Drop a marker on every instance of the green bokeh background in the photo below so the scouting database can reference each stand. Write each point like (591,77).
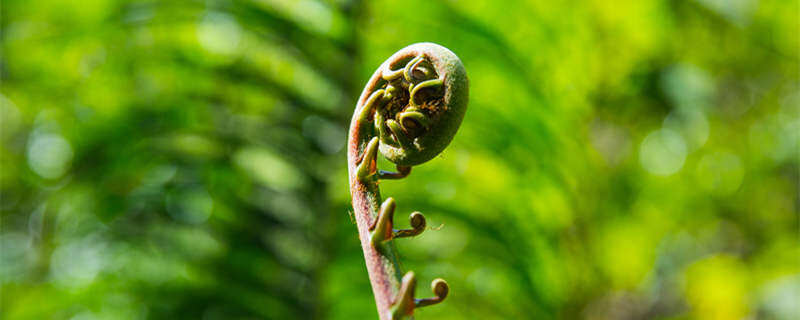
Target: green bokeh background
(185,159)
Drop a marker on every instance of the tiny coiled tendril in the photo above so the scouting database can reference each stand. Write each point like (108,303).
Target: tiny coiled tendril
(410,116)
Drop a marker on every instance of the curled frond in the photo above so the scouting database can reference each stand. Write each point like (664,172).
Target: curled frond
(425,93)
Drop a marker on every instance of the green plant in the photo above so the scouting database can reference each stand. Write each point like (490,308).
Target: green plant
(410,110)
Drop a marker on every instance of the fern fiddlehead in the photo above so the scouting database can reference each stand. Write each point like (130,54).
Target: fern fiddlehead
(409,111)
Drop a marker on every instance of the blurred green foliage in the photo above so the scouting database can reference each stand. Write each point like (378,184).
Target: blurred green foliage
(619,159)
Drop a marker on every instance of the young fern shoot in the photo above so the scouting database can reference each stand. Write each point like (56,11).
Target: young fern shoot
(409,110)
